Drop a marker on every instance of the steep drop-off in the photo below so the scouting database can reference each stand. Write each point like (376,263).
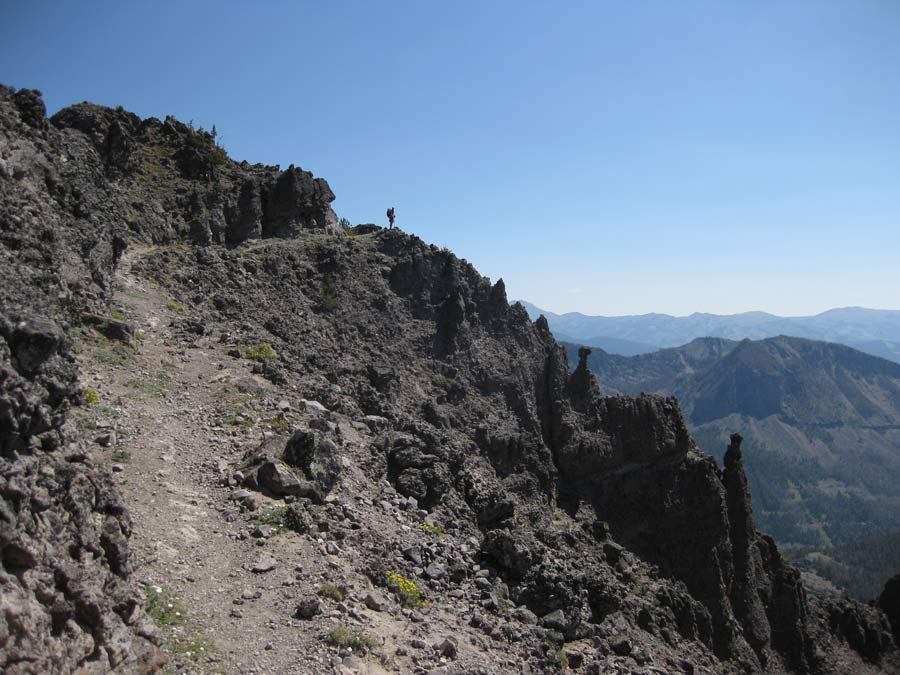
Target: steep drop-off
(821,423)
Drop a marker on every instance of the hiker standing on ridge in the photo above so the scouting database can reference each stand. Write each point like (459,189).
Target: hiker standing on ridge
(390,215)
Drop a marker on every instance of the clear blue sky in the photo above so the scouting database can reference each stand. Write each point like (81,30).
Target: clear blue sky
(606,157)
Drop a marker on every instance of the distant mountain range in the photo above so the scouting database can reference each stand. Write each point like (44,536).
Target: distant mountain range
(821,426)
(874,331)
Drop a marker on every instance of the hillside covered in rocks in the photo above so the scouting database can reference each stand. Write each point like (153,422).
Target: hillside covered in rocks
(238,437)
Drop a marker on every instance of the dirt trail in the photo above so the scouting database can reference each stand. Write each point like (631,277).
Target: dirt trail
(185,409)
(166,405)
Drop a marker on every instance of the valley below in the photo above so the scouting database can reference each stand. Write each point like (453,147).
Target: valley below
(821,424)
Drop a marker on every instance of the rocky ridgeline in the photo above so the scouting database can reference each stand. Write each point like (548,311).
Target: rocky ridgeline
(72,191)
(556,521)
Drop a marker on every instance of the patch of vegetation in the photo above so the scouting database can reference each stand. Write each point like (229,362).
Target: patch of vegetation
(109,411)
(237,404)
(115,354)
(407,593)
(193,647)
(356,640)
(439,380)
(181,638)
(331,591)
(261,352)
(163,607)
(91,396)
(345,224)
(118,315)
(175,307)
(276,518)
(154,385)
(207,142)
(241,421)
(327,299)
(281,518)
(280,422)
(121,456)
(435,531)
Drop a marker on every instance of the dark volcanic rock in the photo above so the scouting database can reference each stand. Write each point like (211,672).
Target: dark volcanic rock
(316,456)
(63,527)
(66,595)
(298,201)
(265,469)
(889,602)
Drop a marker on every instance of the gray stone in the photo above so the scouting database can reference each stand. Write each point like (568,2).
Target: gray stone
(263,565)
(525,615)
(555,620)
(448,648)
(483,584)
(435,571)
(375,603)
(413,554)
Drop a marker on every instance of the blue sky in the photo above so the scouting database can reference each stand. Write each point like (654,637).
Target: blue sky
(606,157)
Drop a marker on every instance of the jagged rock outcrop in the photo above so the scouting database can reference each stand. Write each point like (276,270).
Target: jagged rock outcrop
(65,598)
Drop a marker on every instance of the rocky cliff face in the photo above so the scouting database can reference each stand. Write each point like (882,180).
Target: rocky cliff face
(479,420)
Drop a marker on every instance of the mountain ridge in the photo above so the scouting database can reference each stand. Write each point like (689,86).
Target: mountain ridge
(412,435)
(870,330)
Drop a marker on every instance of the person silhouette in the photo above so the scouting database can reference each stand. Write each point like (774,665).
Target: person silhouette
(390,215)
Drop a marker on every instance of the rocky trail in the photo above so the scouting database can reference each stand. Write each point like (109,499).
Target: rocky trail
(163,405)
(229,586)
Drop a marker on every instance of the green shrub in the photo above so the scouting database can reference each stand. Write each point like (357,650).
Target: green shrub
(261,352)
(406,591)
(328,299)
(331,591)
(280,422)
(91,397)
(282,518)
(439,380)
(434,530)
(175,307)
(356,640)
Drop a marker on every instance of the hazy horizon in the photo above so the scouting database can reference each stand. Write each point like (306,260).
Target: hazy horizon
(606,158)
(681,316)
